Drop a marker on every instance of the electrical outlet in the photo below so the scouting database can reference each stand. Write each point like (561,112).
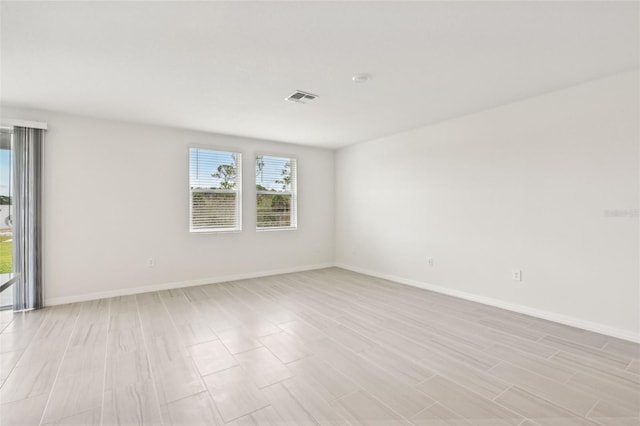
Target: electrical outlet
(151,262)
(516,274)
(430,261)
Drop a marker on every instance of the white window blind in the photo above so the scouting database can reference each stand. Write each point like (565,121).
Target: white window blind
(276,189)
(215,184)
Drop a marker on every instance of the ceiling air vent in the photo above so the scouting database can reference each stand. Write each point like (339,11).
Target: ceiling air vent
(301,97)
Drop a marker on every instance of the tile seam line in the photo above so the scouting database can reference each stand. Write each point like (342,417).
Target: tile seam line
(106,358)
(148,359)
(53,385)
(358,384)
(202,382)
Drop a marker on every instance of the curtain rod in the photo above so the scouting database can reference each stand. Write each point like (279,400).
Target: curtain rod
(12,122)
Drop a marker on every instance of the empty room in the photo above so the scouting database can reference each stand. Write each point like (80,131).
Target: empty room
(310,213)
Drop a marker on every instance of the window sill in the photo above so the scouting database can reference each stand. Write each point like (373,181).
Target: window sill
(215,231)
(288,228)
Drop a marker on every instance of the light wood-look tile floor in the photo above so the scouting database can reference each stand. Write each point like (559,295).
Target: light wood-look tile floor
(326,347)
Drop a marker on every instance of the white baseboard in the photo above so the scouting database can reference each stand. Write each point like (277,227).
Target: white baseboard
(538,313)
(179,284)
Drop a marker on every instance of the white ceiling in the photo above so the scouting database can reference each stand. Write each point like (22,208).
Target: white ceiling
(226,67)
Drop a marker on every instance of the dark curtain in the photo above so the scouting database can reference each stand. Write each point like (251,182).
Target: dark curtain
(27,224)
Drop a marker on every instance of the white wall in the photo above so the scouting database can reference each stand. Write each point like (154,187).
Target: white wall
(117,193)
(525,185)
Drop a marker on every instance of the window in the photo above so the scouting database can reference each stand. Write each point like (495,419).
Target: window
(6,217)
(215,183)
(276,192)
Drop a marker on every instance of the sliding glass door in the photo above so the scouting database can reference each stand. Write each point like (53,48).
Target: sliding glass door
(6,217)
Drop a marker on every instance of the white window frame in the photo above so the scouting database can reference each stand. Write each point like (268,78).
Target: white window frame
(238,191)
(293,192)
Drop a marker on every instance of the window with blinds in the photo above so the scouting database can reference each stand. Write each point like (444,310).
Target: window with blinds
(276,190)
(215,184)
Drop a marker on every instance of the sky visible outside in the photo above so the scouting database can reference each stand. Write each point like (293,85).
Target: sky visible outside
(5,171)
(272,172)
(204,163)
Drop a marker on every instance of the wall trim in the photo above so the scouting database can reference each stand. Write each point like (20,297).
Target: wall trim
(178,284)
(538,313)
